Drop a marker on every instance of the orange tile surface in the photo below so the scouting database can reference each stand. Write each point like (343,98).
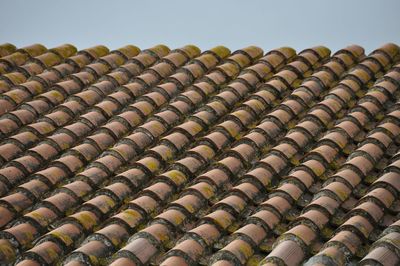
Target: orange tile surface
(164,156)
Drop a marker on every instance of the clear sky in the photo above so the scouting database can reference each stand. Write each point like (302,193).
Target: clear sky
(268,24)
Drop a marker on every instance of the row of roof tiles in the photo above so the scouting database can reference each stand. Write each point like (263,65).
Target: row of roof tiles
(209,164)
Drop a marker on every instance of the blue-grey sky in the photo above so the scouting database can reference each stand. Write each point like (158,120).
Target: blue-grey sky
(268,24)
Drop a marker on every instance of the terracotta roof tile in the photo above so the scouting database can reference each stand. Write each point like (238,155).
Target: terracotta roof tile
(162,156)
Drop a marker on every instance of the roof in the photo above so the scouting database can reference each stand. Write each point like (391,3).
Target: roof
(184,157)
